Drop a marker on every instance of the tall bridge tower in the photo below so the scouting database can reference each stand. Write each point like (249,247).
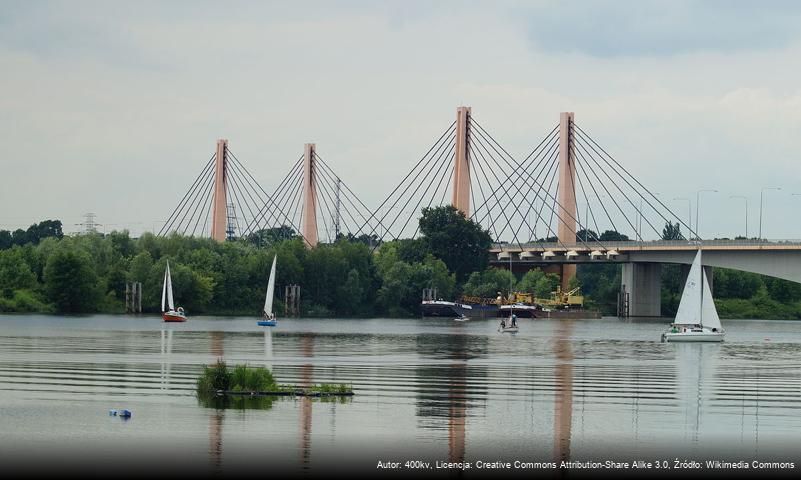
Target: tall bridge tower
(309,224)
(219,213)
(566,196)
(461,169)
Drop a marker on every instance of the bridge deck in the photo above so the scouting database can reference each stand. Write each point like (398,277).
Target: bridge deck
(659,245)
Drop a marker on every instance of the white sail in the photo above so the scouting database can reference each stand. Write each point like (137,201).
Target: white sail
(689,312)
(268,300)
(168,286)
(709,314)
(164,292)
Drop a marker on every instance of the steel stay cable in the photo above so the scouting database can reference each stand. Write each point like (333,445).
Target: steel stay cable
(636,230)
(552,161)
(581,147)
(583,139)
(236,182)
(208,197)
(237,193)
(546,160)
(202,193)
(269,198)
(434,194)
(425,193)
(329,190)
(270,201)
(554,143)
(430,166)
(261,211)
(586,198)
(321,186)
(528,181)
(506,193)
(170,220)
(288,189)
(331,175)
(689,229)
(374,212)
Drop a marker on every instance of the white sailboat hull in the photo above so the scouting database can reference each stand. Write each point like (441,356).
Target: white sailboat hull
(690,336)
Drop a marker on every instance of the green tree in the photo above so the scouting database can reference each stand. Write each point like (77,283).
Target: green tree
(538,283)
(458,241)
(489,282)
(672,231)
(6,240)
(71,283)
(15,273)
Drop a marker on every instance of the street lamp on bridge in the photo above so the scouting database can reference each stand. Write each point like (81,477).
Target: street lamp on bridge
(761,200)
(697,202)
(746,211)
(689,213)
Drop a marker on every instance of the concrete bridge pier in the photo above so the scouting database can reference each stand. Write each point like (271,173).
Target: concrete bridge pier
(643,284)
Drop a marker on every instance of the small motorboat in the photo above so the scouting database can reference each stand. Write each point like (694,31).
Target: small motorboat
(461,318)
(508,327)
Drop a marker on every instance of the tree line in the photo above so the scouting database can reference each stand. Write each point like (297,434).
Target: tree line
(41,270)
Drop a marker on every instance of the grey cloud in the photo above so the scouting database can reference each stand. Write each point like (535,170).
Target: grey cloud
(642,28)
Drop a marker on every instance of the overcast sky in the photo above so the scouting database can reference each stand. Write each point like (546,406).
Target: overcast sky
(114,107)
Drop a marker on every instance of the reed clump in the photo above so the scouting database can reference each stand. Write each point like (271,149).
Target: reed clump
(220,379)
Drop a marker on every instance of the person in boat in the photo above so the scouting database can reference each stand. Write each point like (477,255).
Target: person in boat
(503,323)
(514,320)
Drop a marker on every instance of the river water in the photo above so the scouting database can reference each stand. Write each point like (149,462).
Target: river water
(425,389)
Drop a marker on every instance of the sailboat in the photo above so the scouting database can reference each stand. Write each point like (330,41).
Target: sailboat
(697,318)
(269,319)
(171,315)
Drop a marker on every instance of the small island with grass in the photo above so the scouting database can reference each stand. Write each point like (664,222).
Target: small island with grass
(219,380)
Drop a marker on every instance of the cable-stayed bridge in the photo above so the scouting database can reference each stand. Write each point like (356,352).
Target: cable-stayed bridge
(567,202)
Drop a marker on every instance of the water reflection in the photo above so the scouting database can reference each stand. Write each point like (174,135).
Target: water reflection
(563,398)
(268,348)
(307,349)
(216,418)
(166,354)
(451,400)
(456,392)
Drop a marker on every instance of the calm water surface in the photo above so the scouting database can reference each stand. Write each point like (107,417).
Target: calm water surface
(425,389)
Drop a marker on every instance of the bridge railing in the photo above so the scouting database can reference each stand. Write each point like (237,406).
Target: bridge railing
(629,244)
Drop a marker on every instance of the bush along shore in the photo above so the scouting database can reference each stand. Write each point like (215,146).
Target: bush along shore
(42,270)
(219,380)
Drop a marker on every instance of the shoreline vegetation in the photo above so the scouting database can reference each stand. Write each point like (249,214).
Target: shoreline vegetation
(44,271)
(219,380)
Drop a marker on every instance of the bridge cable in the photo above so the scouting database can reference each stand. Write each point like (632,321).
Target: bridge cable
(529,176)
(451,161)
(203,193)
(689,229)
(264,210)
(428,165)
(164,229)
(448,159)
(374,212)
(581,147)
(207,200)
(269,198)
